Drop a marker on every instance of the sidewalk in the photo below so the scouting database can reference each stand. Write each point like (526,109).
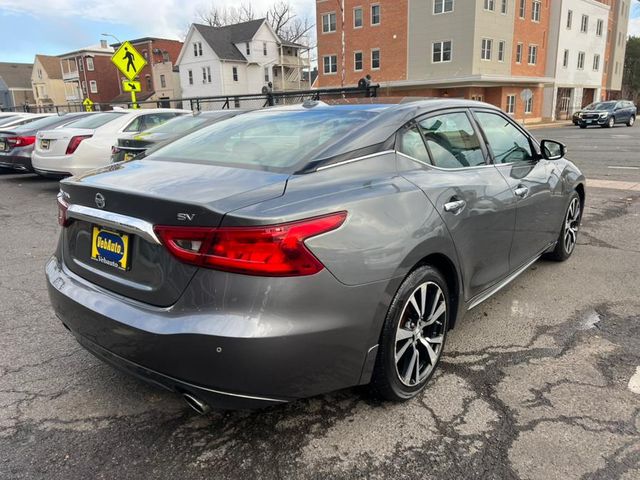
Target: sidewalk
(547,124)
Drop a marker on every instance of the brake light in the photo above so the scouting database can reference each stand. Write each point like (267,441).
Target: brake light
(21,141)
(272,251)
(75,142)
(63,206)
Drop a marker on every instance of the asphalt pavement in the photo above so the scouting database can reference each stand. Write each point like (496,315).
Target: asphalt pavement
(542,381)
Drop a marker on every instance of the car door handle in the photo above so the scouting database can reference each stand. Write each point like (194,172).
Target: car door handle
(455,207)
(521,191)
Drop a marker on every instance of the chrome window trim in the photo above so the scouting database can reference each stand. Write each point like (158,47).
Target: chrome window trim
(459,169)
(351,160)
(117,221)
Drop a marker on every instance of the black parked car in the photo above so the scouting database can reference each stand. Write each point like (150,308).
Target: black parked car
(133,144)
(607,114)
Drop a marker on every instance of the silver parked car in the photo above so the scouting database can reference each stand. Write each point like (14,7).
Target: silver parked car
(293,251)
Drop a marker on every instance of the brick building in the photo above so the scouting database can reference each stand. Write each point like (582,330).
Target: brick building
(491,50)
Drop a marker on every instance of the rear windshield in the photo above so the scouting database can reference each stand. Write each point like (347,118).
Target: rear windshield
(42,123)
(96,120)
(267,140)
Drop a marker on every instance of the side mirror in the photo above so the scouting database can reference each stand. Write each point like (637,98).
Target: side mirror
(552,150)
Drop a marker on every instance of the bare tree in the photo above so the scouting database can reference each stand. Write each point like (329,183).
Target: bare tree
(220,16)
(286,23)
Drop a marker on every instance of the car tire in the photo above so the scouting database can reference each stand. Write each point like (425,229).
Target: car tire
(582,126)
(569,230)
(631,121)
(611,122)
(414,332)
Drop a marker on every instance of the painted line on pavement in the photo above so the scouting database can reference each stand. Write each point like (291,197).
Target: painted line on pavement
(623,168)
(614,185)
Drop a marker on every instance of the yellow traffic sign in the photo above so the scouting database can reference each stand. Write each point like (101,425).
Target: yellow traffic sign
(88,105)
(131,86)
(128,60)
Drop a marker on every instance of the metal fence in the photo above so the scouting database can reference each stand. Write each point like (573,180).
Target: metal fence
(222,102)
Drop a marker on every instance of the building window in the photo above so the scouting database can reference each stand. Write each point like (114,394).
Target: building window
(264,48)
(523,8)
(487,45)
(535,11)
(441,52)
(149,83)
(93,86)
(580,60)
(90,64)
(145,54)
(533,55)
(503,7)
(200,48)
(619,38)
(375,14)
(511,104)
(84,87)
(330,63)
(357,61)
(375,59)
(565,59)
(247,48)
(584,25)
(163,81)
(501,47)
(596,62)
(197,49)
(190,73)
(165,56)
(204,75)
(442,6)
(209,74)
(519,53)
(357,17)
(81,65)
(266,74)
(569,19)
(599,27)
(235,73)
(528,105)
(329,22)
(489,5)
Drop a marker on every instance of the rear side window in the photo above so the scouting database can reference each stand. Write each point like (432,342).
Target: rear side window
(452,141)
(411,144)
(507,143)
(94,121)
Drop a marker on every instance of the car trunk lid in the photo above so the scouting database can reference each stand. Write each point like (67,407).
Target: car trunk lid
(50,143)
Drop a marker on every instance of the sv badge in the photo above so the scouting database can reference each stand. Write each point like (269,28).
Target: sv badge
(186,217)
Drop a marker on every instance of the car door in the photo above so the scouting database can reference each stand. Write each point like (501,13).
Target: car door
(622,113)
(535,182)
(476,204)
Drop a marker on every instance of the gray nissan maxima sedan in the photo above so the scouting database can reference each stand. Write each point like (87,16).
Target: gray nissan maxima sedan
(298,250)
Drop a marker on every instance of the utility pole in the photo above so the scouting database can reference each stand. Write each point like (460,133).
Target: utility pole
(343,70)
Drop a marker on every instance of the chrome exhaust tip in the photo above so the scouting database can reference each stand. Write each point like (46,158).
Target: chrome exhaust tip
(198,405)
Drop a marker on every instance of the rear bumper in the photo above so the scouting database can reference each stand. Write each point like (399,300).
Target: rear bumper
(230,353)
(55,165)
(17,162)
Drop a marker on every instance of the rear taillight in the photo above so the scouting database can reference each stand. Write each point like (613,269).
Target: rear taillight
(63,206)
(21,141)
(75,142)
(273,250)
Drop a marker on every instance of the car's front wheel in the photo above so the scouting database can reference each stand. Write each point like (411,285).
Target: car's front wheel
(610,123)
(583,126)
(631,121)
(568,237)
(413,335)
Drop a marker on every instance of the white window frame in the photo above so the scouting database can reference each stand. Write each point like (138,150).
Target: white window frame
(511,104)
(190,77)
(267,77)
(374,5)
(328,25)
(441,43)
(581,58)
(247,48)
(443,6)
(93,86)
(373,50)
(522,9)
(599,27)
(361,17)
(532,52)
(330,57)
(519,52)
(90,65)
(569,23)
(199,49)
(536,11)
(163,81)
(234,74)
(502,48)
(486,47)
(355,62)
(504,7)
(528,106)
(265,50)
(584,24)
(489,5)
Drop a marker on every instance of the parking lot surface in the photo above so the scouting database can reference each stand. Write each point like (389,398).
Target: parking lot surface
(542,381)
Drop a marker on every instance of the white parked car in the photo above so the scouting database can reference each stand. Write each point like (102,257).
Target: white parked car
(85,145)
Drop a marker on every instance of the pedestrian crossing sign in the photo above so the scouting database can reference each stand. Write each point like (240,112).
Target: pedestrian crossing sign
(88,105)
(128,60)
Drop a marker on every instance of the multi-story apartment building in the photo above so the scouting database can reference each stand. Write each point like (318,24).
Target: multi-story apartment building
(15,85)
(239,59)
(576,56)
(159,79)
(89,73)
(613,65)
(46,82)
(491,50)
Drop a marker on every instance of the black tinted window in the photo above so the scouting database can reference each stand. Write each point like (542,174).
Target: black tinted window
(452,141)
(507,143)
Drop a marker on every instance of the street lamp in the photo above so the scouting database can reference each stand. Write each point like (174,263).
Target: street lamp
(112,36)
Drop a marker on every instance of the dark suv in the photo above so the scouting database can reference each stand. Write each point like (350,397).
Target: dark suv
(607,114)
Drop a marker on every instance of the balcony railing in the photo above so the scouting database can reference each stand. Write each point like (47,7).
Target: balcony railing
(72,75)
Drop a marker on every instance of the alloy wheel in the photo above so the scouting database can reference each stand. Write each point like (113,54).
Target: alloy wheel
(612,122)
(571,225)
(420,334)
(632,120)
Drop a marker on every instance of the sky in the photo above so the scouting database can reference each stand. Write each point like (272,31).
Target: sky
(54,27)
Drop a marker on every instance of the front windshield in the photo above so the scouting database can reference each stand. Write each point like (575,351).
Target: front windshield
(268,140)
(178,124)
(605,106)
(95,120)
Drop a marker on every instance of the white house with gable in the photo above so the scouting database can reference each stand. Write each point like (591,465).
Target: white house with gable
(239,59)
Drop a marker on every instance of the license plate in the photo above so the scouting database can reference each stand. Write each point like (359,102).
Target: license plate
(589,121)
(3,146)
(44,144)
(110,248)
(128,156)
